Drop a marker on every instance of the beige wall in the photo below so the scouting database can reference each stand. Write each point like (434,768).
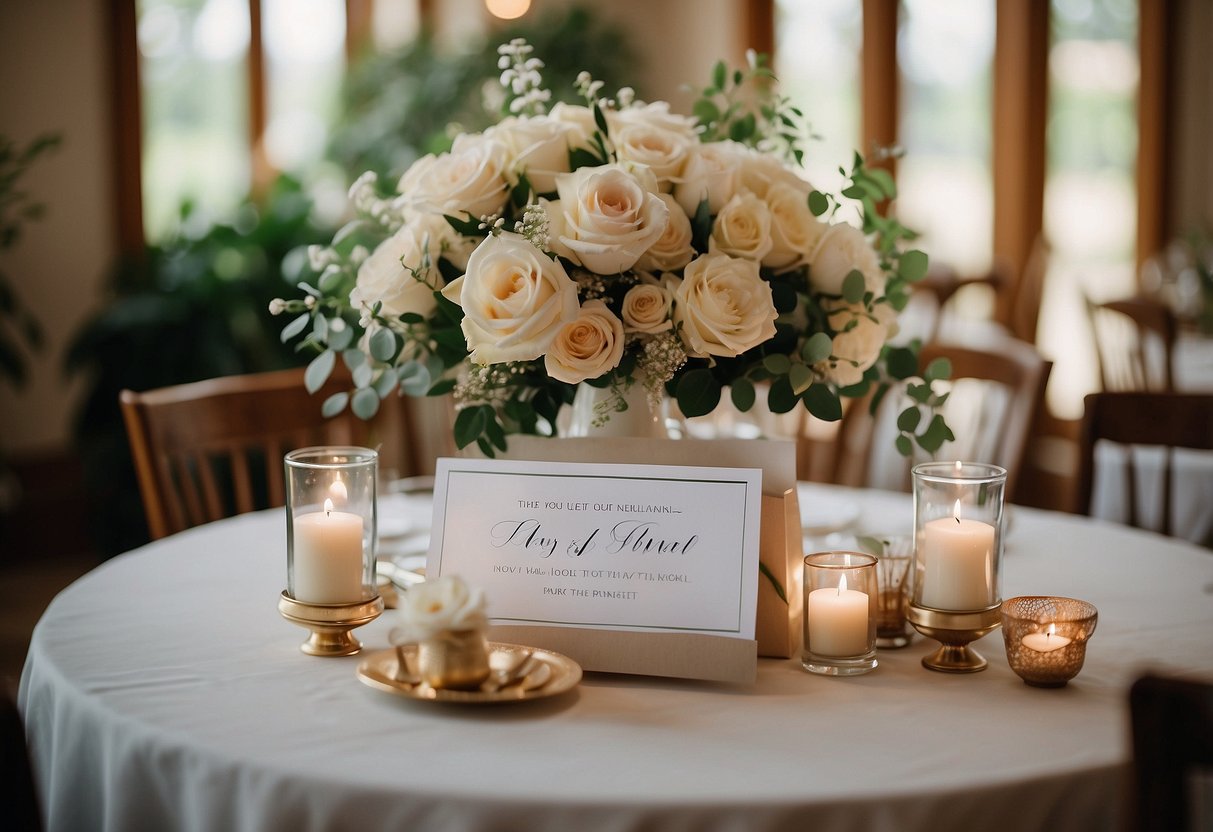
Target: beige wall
(53,77)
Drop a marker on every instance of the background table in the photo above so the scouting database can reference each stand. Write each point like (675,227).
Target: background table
(163,691)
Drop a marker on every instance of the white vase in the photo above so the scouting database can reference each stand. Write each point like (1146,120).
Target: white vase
(593,414)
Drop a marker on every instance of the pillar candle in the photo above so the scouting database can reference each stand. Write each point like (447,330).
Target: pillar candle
(328,557)
(838,621)
(958,564)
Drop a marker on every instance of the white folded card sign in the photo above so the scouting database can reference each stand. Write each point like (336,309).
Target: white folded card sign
(632,549)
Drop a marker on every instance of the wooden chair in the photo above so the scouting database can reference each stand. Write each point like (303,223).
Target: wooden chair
(214,448)
(1169,420)
(995,393)
(1172,723)
(1134,343)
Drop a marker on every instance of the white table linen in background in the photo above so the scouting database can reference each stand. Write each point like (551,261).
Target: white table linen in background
(163,691)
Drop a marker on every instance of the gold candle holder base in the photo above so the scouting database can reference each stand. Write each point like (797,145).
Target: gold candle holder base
(954,630)
(330,624)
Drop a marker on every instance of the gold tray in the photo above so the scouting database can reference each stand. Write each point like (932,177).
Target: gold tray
(378,670)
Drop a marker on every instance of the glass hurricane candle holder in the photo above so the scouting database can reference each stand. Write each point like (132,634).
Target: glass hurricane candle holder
(958,526)
(330,537)
(1046,637)
(840,600)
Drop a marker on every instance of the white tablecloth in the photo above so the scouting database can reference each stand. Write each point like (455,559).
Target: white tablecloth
(163,691)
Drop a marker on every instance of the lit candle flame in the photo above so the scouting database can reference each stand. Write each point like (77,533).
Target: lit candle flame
(338,490)
(956,511)
(328,507)
(842,584)
(1051,631)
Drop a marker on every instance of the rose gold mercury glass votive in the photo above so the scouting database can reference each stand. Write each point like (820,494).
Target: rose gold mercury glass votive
(1046,637)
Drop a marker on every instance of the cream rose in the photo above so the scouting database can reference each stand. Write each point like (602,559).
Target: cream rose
(538,147)
(579,118)
(471,178)
(759,172)
(794,229)
(436,606)
(651,135)
(514,298)
(723,306)
(711,172)
(841,249)
(854,349)
(742,228)
(587,347)
(606,217)
(387,275)
(672,250)
(647,306)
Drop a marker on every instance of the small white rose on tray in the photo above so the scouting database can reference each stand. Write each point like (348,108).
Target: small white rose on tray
(440,605)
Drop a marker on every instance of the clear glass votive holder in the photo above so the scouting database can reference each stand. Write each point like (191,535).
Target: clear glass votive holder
(894,554)
(330,525)
(958,527)
(1046,637)
(840,598)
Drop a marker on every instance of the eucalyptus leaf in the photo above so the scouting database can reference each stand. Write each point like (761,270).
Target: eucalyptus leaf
(363,376)
(385,384)
(742,393)
(819,203)
(817,348)
(340,339)
(365,403)
(319,370)
(937,432)
(940,368)
(697,393)
(320,328)
(383,345)
(295,327)
(780,398)
(903,445)
(823,403)
(913,265)
(777,364)
(909,419)
(334,404)
(469,425)
(853,286)
(353,359)
(415,379)
(800,378)
(902,362)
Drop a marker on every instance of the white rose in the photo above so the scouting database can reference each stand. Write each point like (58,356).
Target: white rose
(587,347)
(841,249)
(742,228)
(853,350)
(711,172)
(794,229)
(647,306)
(579,118)
(538,147)
(672,250)
(471,178)
(436,606)
(393,274)
(606,218)
(515,299)
(759,172)
(652,136)
(723,306)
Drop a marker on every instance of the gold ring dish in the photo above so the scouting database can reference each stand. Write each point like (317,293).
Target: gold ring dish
(330,624)
(545,673)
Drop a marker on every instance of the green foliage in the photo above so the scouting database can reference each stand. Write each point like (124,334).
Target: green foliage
(399,106)
(17,324)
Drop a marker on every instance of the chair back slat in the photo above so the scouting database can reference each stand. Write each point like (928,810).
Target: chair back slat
(1134,343)
(206,450)
(1142,418)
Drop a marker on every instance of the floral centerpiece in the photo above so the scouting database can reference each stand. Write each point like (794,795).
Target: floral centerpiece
(615,244)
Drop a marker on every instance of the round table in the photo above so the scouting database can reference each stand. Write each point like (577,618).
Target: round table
(163,691)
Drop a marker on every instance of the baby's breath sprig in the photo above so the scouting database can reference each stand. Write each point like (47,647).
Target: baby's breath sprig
(534,226)
(520,76)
